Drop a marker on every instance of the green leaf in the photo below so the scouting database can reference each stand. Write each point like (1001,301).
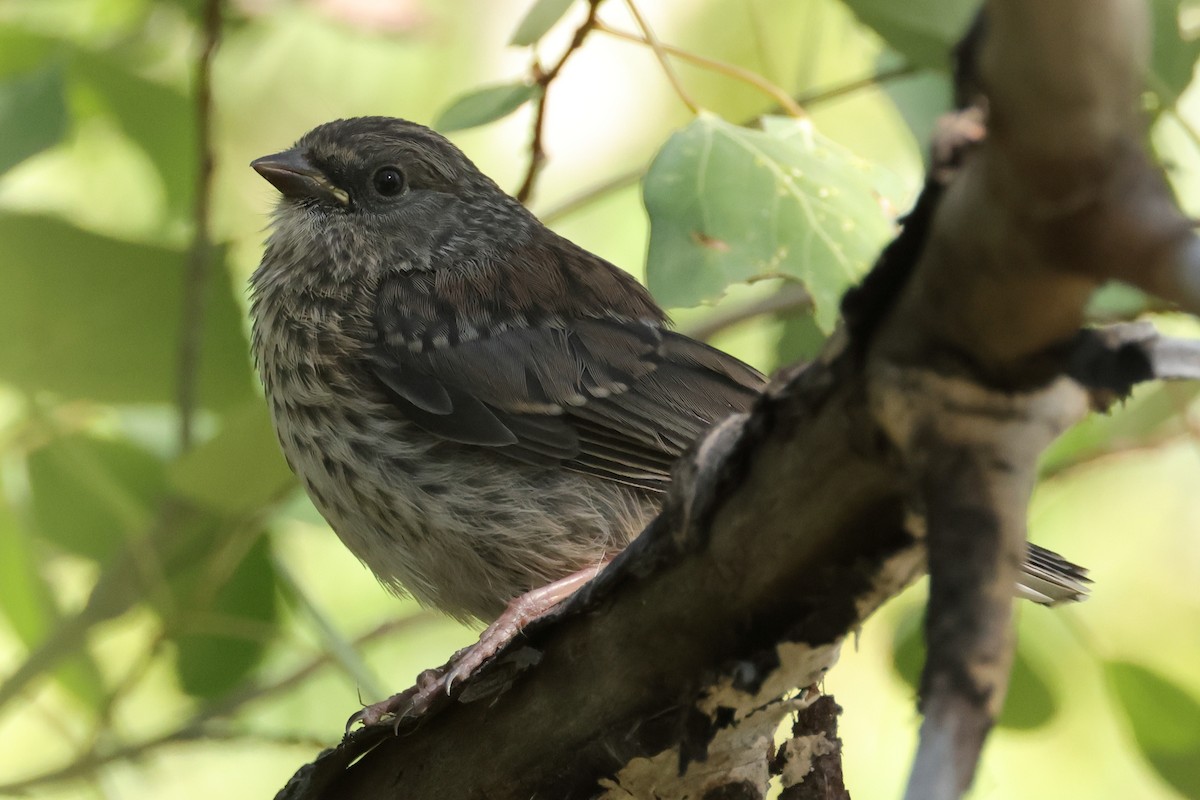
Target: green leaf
(33,115)
(800,339)
(1114,302)
(921,99)
(28,603)
(225,638)
(92,495)
(90,316)
(923,31)
(1173,59)
(908,648)
(730,204)
(161,119)
(240,469)
(22,50)
(538,20)
(1164,720)
(1030,703)
(485,105)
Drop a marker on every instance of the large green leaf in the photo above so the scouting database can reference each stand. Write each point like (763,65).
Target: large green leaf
(225,636)
(33,114)
(539,19)
(90,316)
(729,204)
(91,496)
(485,105)
(924,31)
(1164,720)
(240,469)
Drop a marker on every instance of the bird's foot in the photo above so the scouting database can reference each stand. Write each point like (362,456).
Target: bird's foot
(433,684)
(519,613)
(412,702)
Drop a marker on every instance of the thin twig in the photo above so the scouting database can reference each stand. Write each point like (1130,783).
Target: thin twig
(197,728)
(331,640)
(742,74)
(123,688)
(629,178)
(195,279)
(543,78)
(865,82)
(586,197)
(790,297)
(661,54)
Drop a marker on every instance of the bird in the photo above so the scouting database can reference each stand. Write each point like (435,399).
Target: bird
(478,406)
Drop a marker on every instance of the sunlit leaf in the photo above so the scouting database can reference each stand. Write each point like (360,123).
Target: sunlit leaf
(161,119)
(729,204)
(89,316)
(538,20)
(33,114)
(1164,720)
(227,630)
(1173,58)
(1117,301)
(195,8)
(28,604)
(22,50)
(92,495)
(238,470)
(923,31)
(485,105)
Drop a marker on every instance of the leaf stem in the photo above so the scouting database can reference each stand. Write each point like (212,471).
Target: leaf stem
(661,54)
(785,101)
(625,179)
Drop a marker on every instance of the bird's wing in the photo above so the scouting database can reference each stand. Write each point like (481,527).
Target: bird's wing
(612,398)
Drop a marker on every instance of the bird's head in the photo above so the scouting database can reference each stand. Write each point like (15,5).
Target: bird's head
(389,190)
(370,165)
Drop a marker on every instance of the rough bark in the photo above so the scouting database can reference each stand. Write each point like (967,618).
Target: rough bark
(961,359)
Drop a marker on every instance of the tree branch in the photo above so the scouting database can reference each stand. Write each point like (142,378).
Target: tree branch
(191,332)
(543,78)
(786,527)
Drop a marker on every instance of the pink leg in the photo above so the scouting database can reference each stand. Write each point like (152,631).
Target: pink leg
(519,613)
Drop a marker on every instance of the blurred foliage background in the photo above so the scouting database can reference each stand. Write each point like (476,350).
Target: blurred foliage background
(176,620)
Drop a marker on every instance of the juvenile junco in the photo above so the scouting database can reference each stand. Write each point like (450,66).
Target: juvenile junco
(477,406)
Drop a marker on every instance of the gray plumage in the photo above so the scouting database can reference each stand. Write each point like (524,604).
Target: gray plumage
(475,404)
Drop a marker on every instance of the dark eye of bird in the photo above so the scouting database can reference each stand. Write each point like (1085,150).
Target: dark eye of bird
(388,181)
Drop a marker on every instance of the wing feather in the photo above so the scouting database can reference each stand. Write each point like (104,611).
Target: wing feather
(617,397)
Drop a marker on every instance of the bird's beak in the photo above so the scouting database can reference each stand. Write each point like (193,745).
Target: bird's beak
(292,174)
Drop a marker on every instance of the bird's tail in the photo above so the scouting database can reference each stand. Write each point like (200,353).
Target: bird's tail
(1049,579)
